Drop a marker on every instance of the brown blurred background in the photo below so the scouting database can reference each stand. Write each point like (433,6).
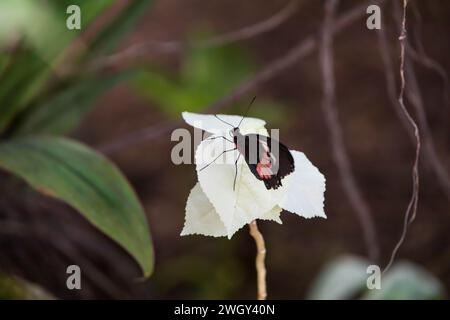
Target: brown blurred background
(48,235)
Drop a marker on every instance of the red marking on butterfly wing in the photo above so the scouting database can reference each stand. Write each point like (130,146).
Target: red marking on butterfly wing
(270,168)
(264,167)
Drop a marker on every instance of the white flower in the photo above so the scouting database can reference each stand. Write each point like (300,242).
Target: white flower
(214,208)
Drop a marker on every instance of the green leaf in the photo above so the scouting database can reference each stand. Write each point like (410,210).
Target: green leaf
(89,182)
(62,112)
(44,35)
(407,281)
(18,84)
(341,279)
(112,34)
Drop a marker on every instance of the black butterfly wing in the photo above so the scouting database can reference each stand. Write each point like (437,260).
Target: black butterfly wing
(265,163)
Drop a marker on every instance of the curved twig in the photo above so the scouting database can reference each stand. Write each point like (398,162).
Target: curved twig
(416,100)
(415,97)
(298,52)
(390,80)
(170,47)
(412,206)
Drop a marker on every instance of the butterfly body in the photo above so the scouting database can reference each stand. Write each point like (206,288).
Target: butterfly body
(268,159)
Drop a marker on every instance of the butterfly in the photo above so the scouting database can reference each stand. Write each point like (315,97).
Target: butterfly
(268,159)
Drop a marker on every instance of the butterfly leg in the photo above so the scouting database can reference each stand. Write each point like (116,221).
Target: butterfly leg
(214,138)
(223,152)
(235,171)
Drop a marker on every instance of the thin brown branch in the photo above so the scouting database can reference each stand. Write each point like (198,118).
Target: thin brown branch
(260,260)
(330,112)
(140,136)
(412,206)
(415,98)
(304,48)
(170,47)
(390,80)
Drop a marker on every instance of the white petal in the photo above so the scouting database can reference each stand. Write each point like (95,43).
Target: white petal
(249,201)
(305,194)
(273,215)
(201,218)
(211,124)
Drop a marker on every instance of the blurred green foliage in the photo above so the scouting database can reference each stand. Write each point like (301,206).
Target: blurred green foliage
(38,96)
(205,75)
(111,35)
(37,33)
(62,112)
(407,281)
(346,277)
(15,288)
(342,278)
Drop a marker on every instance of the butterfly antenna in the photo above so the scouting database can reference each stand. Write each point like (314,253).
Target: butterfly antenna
(224,121)
(246,112)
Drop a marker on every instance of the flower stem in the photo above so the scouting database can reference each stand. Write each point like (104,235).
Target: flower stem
(259,261)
